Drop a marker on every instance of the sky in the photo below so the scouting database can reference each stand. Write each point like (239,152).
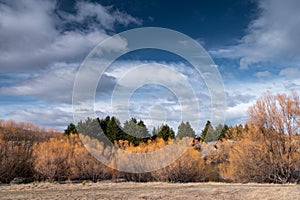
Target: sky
(254,45)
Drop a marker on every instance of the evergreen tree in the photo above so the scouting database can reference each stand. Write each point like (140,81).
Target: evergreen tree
(114,131)
(224,131)
(185,130)
(216,134)
(166,132)
(91,128)
(208,128)
(71,129)
(135,131)
(103,124)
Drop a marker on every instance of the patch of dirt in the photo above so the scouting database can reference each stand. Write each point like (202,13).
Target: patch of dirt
(153,190)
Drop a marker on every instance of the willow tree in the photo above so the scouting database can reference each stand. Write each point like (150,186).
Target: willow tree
(274,155)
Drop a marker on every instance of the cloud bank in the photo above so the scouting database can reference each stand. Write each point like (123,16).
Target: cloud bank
(35,34)
(273,36)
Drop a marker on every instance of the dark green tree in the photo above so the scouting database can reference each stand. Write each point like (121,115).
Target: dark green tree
(166,132)
(207,129)
(71,129)
(216,134)
(91,128)
(114,130)
(185,130)
(224,132)
(106,130)
(103,124)
(136,131)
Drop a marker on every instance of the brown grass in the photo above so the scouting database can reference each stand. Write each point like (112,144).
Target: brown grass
(154,190)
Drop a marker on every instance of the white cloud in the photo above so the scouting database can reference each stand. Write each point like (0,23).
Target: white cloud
(58,117)
(272,36)
(262,74)
(237,114)
(106,16)
(53,85)
(290,73)
(33,36)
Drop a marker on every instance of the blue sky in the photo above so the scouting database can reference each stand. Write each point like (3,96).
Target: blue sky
(255,45)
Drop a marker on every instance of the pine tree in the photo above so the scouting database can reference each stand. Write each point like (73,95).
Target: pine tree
(114,131)
(135,131)
(208,128)
(91,128)
(166,132)
(71,129)
(185,130)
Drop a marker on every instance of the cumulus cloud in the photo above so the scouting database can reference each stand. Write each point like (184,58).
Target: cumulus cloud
(262,74)
(58,117)
(272,36)
(54,84)
(238,97)
(106,17)
(238,114)
(35,34)
(290,72)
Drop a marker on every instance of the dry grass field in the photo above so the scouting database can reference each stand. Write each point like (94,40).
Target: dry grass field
(154,190)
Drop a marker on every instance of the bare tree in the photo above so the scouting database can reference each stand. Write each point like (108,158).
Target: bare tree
(269,149)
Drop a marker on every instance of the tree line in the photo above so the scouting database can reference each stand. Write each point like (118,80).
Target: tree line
(134,131)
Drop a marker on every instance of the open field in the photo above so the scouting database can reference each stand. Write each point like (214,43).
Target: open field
(149,191)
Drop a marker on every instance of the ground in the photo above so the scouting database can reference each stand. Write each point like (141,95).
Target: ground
(154,190)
